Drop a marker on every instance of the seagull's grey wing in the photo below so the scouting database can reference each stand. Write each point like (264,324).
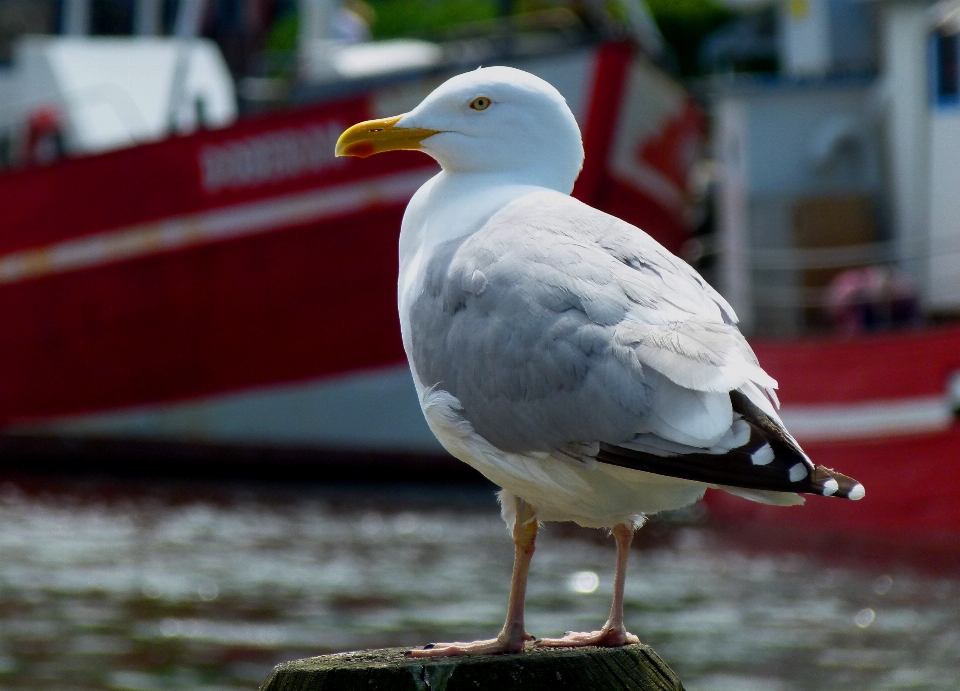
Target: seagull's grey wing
(557,324)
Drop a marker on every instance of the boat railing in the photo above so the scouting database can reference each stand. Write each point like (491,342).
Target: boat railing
(844,256)
(776,274)
(778,279)
(808,284)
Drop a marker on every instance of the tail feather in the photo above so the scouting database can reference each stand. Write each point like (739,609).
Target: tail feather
(770,460)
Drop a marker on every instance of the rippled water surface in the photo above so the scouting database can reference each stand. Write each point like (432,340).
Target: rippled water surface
(205,588)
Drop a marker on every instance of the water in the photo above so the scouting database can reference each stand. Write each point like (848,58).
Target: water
(149,588)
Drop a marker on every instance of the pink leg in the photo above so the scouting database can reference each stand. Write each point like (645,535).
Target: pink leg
(514,636)
(613,634)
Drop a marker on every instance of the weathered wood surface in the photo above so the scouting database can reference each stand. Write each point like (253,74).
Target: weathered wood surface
(631,668)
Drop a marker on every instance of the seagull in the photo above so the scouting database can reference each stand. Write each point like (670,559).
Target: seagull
(562,352)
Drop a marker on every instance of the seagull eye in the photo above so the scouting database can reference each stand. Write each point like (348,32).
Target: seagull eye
(480,103)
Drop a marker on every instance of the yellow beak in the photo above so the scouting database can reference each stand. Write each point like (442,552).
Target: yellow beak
(375,136)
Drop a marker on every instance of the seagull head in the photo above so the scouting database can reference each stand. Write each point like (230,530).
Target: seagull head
(494,120)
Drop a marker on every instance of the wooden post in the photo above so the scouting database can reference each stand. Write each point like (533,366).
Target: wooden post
(631,668)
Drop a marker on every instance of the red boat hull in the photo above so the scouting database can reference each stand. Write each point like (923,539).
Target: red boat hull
(251,256)
(912,479)
(912,482)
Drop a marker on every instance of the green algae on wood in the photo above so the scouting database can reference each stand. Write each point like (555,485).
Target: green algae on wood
(631,668)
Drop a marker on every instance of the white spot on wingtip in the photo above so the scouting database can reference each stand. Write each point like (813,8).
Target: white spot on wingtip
(857,492)
(798,472)
(762,456)
(830,487)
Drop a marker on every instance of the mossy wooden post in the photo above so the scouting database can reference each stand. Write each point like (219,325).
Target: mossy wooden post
(631,668)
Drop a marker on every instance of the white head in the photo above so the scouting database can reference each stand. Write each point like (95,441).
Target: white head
(496,120)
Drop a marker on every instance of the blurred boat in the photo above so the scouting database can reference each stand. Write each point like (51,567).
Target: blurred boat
(237,286)
(233,291)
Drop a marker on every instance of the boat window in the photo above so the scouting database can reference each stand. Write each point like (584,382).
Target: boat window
(111,17)
(946,72)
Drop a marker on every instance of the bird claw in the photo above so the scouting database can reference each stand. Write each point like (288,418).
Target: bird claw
(494,646)
(607,637)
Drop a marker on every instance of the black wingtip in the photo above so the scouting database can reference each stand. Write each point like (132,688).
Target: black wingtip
(770,460)
(830,483)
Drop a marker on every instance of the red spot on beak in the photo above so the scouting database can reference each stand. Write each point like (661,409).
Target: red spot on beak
(360,150)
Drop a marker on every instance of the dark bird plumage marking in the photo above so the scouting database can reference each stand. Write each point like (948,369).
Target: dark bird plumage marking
(737,467)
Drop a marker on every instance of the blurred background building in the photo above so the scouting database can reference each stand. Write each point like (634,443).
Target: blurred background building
(844,160)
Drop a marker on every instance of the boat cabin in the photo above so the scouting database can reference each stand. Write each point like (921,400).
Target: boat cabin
(839,171)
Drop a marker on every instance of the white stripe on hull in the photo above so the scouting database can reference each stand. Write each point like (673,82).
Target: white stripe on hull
(378,410)
(373,410)
(249,218)
(868,419)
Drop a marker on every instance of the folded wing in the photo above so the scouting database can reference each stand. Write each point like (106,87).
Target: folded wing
(559,325)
